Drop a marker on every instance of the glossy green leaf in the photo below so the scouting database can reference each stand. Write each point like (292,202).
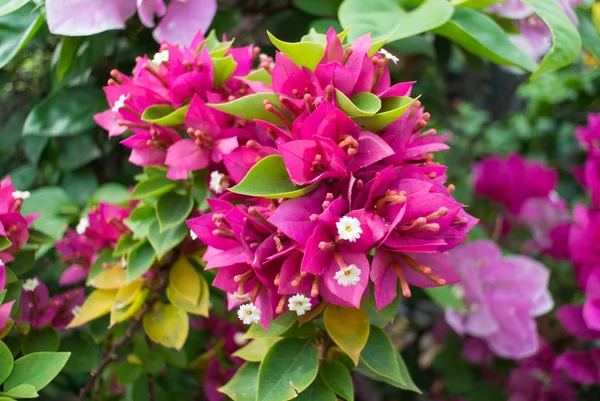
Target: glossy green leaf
(140,260)
(152,188)
(164,241)
(251,107)
(304,54)
(378,17)
(289,368)
(335,375)
(363,104)
(243,385)
(277,327)
(78,151)
(16,29)
(112,193)
(481,35)
(269,179)
(24,177)
(4,243)
(391,109)
(165,115)
(173,209)
(83,355)
(6,362)
(67,49)
(22,391)
(256,349)
(260,75)
(428,16)
(80,185)
(167,325)
(67,111)
(125,244)
(317,391)
(566,42)
(140,221)
(8,6)
(36,369)
(223,68)
(589,35)
(45,339)
(24,259)
(383,360)
(380,318)
(348,327)
(445,297)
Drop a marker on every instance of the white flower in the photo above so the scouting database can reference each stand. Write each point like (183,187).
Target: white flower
(348,276)
(349,228)
(21,195)
(1,263)
(193,235)
(238,339)
(217,184)
(119,104)
(300,304)
(76,311)
(389,56)
(160,57)
(83,224)
(248,313)
(31,284)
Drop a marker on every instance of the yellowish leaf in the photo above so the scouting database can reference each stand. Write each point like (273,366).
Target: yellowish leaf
(184,279)
(122,314)
(256,350)
(112,278)
(97,304)
(127,294)
(167,325)
(349,328)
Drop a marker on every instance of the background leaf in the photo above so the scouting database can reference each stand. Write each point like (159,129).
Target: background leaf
(167,325)
(36,369)
(243,385)
(16,29)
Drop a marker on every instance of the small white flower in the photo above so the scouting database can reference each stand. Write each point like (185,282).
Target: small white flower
(300,304)
(217,184)
(31,284)
(21,195)
(193,235)
(389,56)
(83,224)
(238,339)
(349,228)
(160,57)
(348,276)
(248,313)
(76,311)
(119,104)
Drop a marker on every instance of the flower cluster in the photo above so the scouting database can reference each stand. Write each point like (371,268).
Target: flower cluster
(503,296)
(369,202)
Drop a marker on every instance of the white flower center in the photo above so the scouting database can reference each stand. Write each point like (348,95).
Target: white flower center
(21,195)
(193,235)
(349,228)
(300,304)
(348,276)
(160,57)
(389,56)
(119,104)
(76,311)
(217,183)
(83,224)
(248,313)
(31,284)
(238,339)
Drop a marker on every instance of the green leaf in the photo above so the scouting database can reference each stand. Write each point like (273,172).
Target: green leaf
(67,111)
(256,350)
(83,355)
(165,115)
(167,325)
(140,260)
(445,297)
(304,54)
(391,109)
(113,193)
(164,241)
(378,17)
(127,373)
(269,179)
(124,245)
(22,391)
(566,42)
(475,4)
(36,369)
(6,362)
(220,49)
(40,340)
(260,75)
(589,34)
(16,29)
(78,151)
(24,177)
(382,359)
(105,256)
(364,104)
(348,327)
(319,8)
(80,185)
(335,375)
(8,6)
(481,35)
(317,391)
(140,221)
(24,259)
(243,385)
(50,202)
(251,107)
(172,210)
(428,16)
(277,326)
(223,68)
(67,49)
(380,318)
(4,243)
(153,187)
(289,368)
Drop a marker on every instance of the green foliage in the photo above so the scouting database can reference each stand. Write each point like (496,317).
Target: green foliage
(165,115)
(36,369)
(17,28)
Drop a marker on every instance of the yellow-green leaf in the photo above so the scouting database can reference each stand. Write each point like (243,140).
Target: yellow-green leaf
(184,279)
(256,350)
(167,325)
(97,304)
(349,328)
(127,294)
(304,54)
(112,278)
(122,314)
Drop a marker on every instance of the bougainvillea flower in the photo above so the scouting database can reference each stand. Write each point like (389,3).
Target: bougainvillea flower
(36,307)
(571,318)
(582,367)
(79,252)
(179,23)
(106,223)
(591,307)
(503,296)
(583,248)
(589,135)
